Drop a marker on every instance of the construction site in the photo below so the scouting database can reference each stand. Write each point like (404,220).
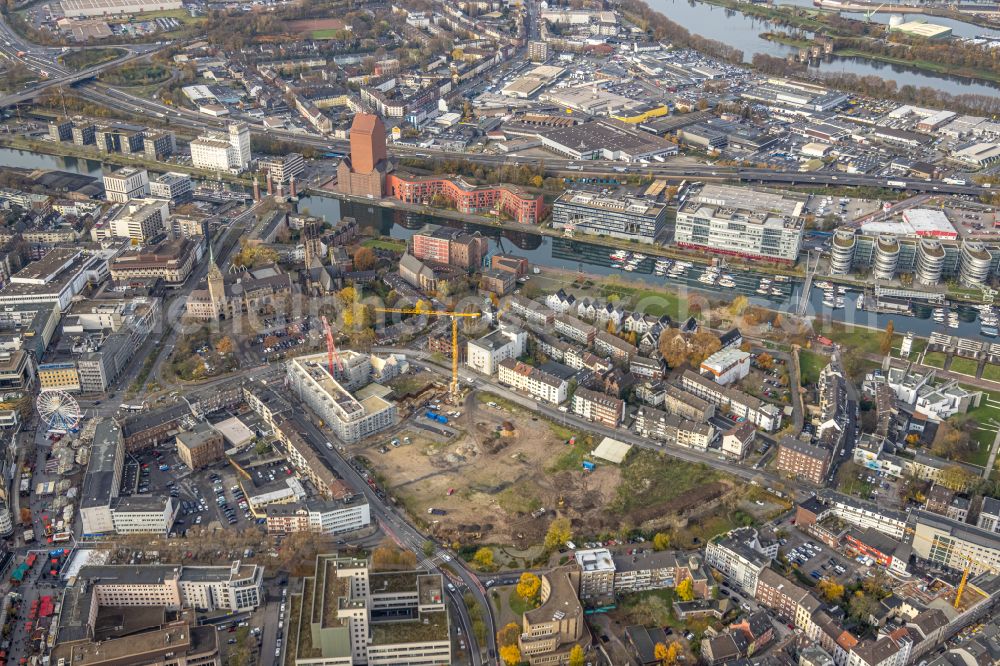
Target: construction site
(496,473)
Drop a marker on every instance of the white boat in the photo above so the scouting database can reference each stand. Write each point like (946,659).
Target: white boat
(824,285)
(952,323)
(840,301)
(638,256)
(841,290)
(860,304)
(727,282)
(630,268)
(829,303)
(776,291)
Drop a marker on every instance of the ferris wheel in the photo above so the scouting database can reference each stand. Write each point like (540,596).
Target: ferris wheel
(58,409)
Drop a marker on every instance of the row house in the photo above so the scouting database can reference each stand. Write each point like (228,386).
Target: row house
(581,359)
(530,311)
(561,302)
(686,404)
(611,345)
(741,405)
(598,407)
(537,382)
(671,429)
(645,367)
(573,329)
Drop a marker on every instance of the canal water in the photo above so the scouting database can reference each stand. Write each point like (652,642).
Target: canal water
(743,32)
(28,160)
(592,258)
(568,254)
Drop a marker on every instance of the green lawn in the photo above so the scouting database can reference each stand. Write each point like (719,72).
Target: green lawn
(965,366)
(389,244)
(934,359)
(518,605)
(868,340)
(983,414)
(811,363)
(181,15)
(329,33)
(991,372)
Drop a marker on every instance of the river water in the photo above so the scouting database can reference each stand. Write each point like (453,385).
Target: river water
(592,258)
(743,32)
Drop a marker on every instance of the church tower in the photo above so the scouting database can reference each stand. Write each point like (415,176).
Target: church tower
(216,284)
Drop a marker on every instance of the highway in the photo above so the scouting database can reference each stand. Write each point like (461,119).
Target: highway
(197,122)
(45,58)
(45,61)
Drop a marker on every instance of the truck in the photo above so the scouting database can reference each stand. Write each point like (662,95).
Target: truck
(956,181)
(589,466)
(896,183)
(437,512)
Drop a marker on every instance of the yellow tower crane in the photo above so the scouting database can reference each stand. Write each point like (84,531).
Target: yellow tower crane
(966,570)
(453,389)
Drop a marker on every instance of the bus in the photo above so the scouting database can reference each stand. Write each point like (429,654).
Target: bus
(61,537)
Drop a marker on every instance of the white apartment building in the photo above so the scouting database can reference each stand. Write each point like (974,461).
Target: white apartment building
(126,183)
(737,221)
(351,419)
(485,354)
(139,219)
(738,440)
(989,515)
(735,557)
(218,151)
(319,516)
(865,515)
(538,383)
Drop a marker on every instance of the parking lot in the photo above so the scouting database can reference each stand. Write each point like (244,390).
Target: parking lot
(814,558)
(279,336)
(207,496)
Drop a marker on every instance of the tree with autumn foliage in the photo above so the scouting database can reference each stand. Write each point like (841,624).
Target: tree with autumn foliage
(484,558)
(685,590)
(831,590)
(507,635)
(702,345)
(364,259)
(225,345)
(510,655)
(667,655)
(528,586)
(576,657)
(765,361)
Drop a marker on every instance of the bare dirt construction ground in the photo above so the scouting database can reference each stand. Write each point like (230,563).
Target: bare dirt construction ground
(505,473)
(497,490)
